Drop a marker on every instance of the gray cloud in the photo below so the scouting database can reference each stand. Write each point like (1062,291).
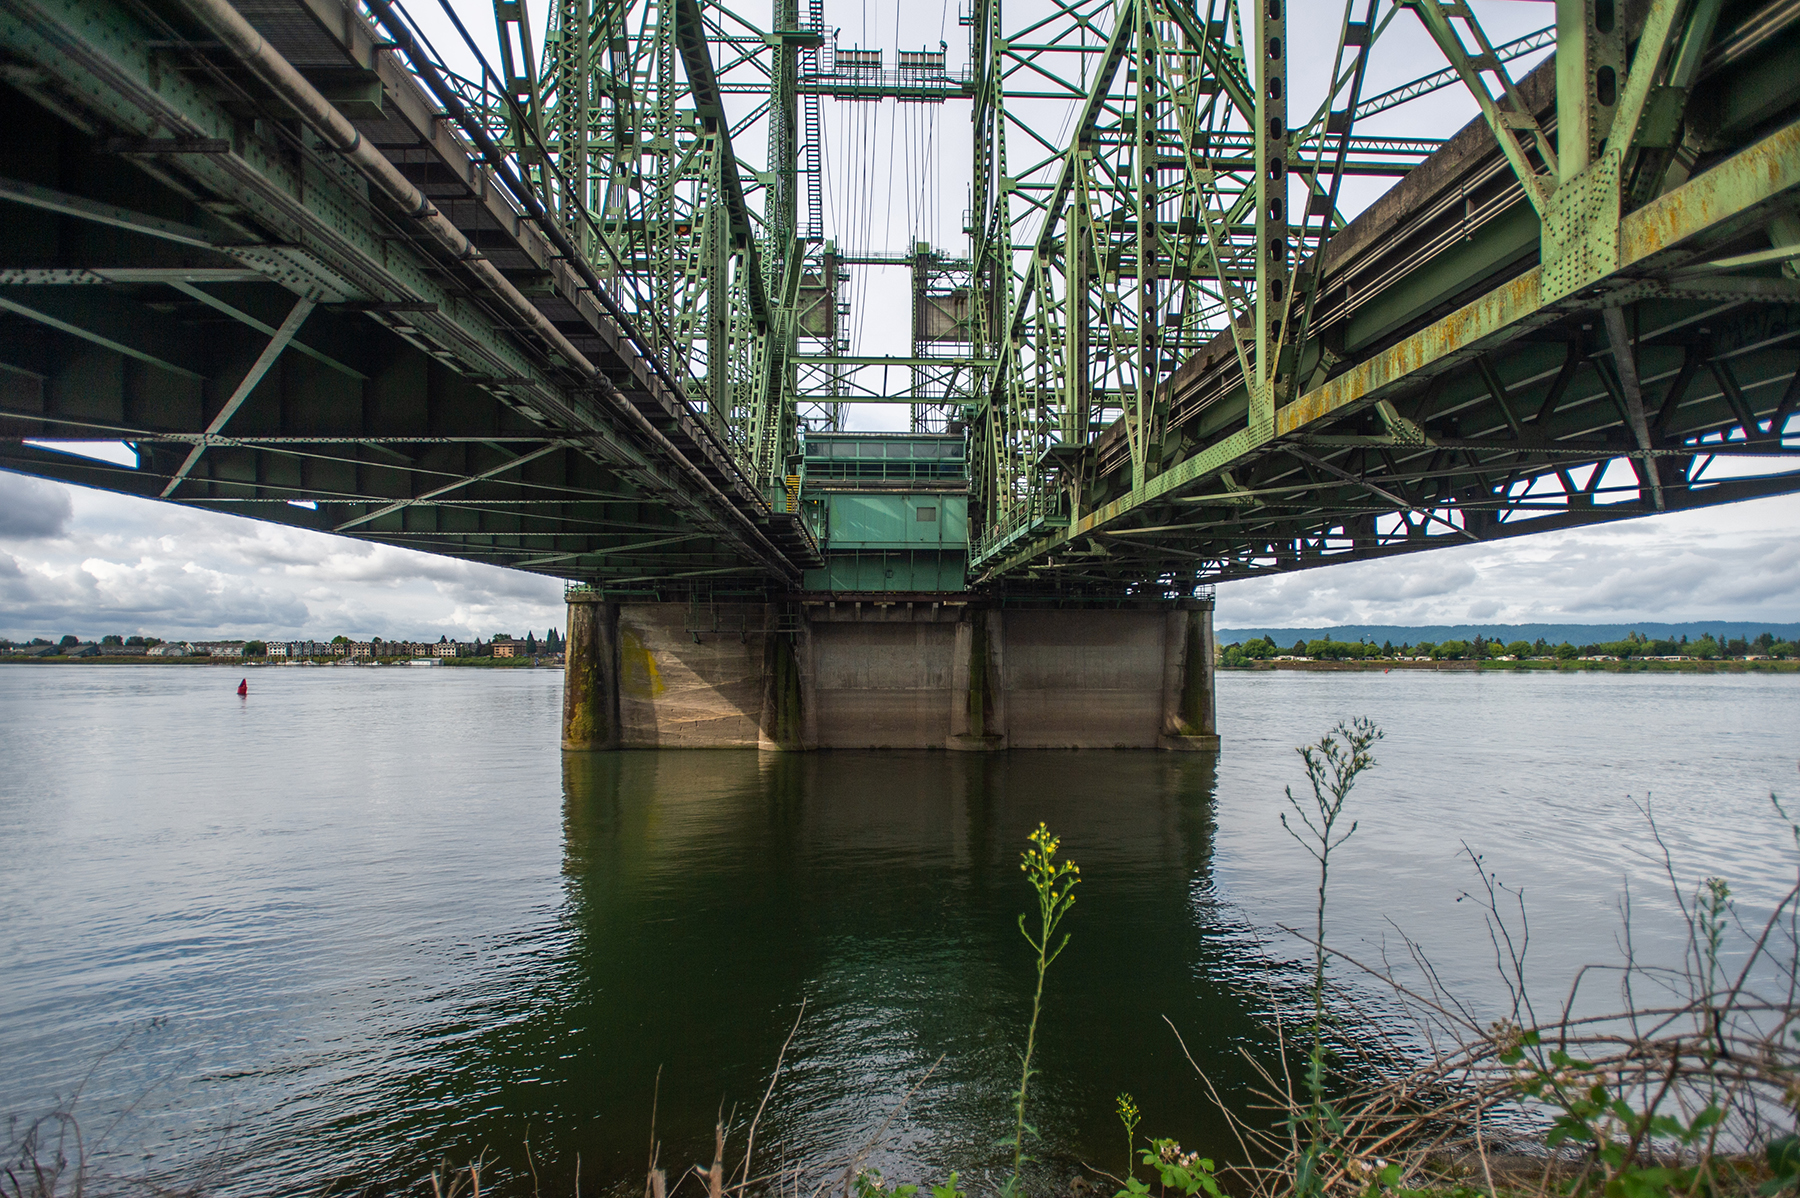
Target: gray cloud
(126,565)
(31,508)
(1734,562)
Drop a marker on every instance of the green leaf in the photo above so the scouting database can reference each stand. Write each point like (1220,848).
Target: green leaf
(1783,1156)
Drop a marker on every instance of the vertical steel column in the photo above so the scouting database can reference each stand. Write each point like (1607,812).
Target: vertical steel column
(1270,32)
(524,116)
(1143,58)
(660,22)
(1078,265)
(1590,70)
(718,289)
(784,150)
(568,51)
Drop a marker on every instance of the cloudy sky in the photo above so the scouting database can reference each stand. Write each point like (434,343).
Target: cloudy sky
(91,563)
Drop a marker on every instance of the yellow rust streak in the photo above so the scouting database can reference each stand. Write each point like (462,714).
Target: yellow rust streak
(1493,314)
(1751,176)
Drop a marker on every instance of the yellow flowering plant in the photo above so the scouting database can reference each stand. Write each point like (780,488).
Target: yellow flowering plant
(1054,884)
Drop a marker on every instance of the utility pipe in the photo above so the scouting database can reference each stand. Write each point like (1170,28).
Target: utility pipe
(242,39)
(401,34)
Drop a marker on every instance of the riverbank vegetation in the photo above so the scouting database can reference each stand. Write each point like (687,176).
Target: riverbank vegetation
(1688,1087)
(1635,648)
(1595,665)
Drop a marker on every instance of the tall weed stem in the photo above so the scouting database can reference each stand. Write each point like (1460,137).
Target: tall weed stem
(1332,767)
(1054,883)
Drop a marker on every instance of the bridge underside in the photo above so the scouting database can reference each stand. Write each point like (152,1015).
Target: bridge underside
(189,263)
(1458,391)
(287,264)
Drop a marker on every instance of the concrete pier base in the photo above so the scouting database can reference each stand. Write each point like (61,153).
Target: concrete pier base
(783,727)
(591,674)
(889,674)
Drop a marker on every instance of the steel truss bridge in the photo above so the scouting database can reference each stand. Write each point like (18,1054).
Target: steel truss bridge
(573,310)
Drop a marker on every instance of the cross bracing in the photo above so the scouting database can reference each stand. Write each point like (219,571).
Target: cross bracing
(572,306)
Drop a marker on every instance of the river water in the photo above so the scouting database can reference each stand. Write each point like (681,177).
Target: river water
(367,919)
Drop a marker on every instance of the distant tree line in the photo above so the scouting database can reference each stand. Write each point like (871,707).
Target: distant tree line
(552,642)
(1707,648)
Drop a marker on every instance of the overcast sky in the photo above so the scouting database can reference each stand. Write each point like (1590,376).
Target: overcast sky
(90,563)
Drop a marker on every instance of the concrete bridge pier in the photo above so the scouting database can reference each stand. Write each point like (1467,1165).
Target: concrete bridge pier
(591,674)
(919,672)
(788,721)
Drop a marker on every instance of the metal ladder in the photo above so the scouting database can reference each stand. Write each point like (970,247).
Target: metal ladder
(811,152)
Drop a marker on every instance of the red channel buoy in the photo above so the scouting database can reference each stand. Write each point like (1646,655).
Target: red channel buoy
(244,687)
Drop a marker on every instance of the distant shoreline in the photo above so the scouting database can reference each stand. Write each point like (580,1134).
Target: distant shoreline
(1542,667)
(253,663)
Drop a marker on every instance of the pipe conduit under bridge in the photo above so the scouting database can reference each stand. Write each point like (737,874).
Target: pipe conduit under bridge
(551,317)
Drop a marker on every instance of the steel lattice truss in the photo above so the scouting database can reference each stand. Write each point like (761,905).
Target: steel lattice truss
(1160,281)
(1203,373)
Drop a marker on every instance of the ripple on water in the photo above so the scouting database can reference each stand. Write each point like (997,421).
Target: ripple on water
(369,917)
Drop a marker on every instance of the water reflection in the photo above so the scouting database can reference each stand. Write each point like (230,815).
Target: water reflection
(333,935)
(710,894)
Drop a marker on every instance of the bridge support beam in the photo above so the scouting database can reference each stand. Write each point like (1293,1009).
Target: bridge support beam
(591,674)
(1190,713)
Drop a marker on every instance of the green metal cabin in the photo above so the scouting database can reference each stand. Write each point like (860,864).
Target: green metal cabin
(890,510)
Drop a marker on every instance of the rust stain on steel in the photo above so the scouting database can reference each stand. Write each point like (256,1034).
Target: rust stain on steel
(1750,176)
(1496,312)
(1753,175)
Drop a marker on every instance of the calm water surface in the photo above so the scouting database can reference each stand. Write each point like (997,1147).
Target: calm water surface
(367,918)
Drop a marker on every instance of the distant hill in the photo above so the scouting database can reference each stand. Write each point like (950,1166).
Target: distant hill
(1575,634)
